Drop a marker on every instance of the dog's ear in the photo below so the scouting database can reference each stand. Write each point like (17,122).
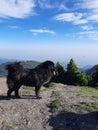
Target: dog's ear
(19,63)
(51,67)
(44,65)
(48,65)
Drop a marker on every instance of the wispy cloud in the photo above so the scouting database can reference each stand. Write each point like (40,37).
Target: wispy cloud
(75,18)
(68,16)
(16,8)
(86,27)
(40,31)
(92,34)
(50,4)
(45,4)
(87,4)
(93,17)
(13,27)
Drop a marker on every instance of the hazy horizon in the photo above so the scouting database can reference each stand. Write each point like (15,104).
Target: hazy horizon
(63,62)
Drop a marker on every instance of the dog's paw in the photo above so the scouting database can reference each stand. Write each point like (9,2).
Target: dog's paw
(8,98)
(17,97)
(39,97)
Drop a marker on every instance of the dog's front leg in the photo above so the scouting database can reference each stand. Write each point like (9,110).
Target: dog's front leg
(17,91)
(37,91)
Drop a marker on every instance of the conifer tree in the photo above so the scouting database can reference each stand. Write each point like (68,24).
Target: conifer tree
(59,78)
(72,74)
(94,78)
(83,79)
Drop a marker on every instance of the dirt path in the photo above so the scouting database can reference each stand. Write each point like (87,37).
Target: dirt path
(3,86)
(25,113)
(28,113)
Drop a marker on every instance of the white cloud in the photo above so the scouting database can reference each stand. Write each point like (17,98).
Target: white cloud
(92,34)
(86,27)
(50,4)
(16,8)
(13,27)
(63,7)
(93,17)
(37,31)
(45,4)
(75,18)
(68,17)
(80,21)
(87,4)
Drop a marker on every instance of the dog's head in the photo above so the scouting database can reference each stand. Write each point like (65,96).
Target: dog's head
(49,65)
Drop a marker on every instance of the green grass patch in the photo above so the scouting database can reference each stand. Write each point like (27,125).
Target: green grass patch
(3,94)
(56,94)
(11,127)
(88,92)
(57,105)
(26,90)
(85,107)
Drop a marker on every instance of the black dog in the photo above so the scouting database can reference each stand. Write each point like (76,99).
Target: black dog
(18,76)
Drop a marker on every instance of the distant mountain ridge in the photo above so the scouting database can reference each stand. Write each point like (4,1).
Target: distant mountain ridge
(87,67)
(3,60)
(91,70)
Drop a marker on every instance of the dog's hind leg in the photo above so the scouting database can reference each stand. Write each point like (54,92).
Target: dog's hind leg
(11,88)
(9,92)
(37,91)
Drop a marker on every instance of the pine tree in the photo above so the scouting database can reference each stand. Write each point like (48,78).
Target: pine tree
(94,77)
(72,74)
(59,78)
(83,79)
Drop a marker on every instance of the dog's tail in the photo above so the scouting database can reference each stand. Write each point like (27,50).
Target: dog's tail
(8,66)
(14,67)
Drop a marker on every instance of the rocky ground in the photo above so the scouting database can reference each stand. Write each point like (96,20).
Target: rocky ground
(62,107)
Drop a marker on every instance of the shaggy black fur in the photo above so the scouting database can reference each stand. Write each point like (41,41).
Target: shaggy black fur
(18,76)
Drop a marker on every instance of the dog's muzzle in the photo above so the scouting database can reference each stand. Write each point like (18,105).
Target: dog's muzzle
(54,73)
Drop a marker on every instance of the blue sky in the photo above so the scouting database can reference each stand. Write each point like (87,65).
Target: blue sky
(56,30)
